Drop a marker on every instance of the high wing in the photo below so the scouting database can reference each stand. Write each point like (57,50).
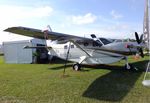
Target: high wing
(36,33)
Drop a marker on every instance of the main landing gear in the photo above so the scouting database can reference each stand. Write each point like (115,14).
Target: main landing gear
(129,66)
(76,67)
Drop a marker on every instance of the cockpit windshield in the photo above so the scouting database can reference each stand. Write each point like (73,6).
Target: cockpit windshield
(105,41)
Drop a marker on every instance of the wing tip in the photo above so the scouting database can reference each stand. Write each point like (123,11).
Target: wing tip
(10,28)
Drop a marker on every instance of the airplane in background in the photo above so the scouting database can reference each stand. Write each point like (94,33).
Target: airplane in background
(82,50)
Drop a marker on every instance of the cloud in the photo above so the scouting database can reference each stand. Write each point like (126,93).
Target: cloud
(13,14)
(118,27)
(115,15)
(25,12)
(20,15)
(84,19)
(40,12)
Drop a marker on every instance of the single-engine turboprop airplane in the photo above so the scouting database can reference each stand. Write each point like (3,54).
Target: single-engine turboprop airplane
(83,50)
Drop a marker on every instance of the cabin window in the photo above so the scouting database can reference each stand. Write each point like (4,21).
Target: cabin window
(95,44)
(72,46)
(65,47)
(86,44)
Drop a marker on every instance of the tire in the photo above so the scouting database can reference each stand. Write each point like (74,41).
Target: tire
(126,67)
(76,67)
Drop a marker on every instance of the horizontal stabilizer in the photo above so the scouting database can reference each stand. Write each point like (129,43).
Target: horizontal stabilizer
(34,47)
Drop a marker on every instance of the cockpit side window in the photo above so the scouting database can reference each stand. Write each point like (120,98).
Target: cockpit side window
(104,41)
(95,44)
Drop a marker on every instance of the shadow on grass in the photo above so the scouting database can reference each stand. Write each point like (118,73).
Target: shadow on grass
(60,67)
(57,60)
(115,85)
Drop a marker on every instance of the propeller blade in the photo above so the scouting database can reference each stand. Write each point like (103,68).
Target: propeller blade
(137,38)
(141,52)
(141,38)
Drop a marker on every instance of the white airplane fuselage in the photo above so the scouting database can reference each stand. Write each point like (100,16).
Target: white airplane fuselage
(84,50)
(105,54)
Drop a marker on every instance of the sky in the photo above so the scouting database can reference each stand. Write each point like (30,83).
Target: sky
(105,18)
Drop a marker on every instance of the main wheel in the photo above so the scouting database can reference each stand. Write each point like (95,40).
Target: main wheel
(127,66)
(76,67)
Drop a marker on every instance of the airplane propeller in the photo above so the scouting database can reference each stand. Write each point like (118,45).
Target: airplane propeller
(139,41)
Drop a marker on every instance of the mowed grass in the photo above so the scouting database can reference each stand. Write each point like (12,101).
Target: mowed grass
(44,83)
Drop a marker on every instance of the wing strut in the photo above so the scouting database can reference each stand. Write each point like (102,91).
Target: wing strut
(80,48)
(64,72)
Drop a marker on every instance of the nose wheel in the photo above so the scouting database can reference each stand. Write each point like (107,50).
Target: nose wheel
(130,67)
(76,67)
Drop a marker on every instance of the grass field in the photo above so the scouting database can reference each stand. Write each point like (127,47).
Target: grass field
(43,83)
